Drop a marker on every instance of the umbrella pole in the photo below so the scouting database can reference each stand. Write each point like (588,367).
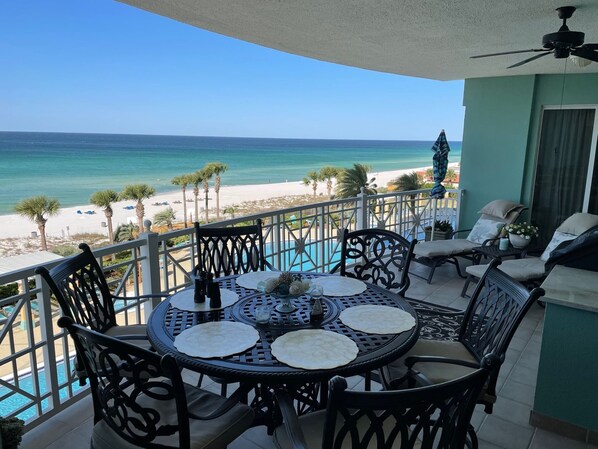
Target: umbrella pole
(433,219)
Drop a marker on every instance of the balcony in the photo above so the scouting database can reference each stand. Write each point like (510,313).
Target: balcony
(58,411)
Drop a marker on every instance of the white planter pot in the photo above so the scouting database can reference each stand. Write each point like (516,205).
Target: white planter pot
(518,241)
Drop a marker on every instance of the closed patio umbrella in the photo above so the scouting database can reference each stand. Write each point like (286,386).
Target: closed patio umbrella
(441,150)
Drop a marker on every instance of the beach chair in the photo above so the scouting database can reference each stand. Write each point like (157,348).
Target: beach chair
(493,217)
(532,270)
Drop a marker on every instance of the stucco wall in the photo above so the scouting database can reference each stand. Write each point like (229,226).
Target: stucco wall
(500,135)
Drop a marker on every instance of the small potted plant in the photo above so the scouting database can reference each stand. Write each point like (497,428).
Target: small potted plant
(286,286)
(11,432)
(520,234)
(443,230)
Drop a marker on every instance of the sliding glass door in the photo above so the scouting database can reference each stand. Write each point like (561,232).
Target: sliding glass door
(566,173)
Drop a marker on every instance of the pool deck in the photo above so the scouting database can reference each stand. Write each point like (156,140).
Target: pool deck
(507,428)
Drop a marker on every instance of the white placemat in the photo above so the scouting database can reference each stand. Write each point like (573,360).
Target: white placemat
(340,285)
(377,319)
(183,300)
(251,279)
(314,349)
(216,339)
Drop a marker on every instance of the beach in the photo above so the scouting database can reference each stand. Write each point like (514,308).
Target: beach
(68,222)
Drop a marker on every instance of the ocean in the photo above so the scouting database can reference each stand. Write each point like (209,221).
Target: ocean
(70,167)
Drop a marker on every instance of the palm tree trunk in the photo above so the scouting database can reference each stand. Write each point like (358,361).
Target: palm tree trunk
(315,187)
(108,212)
(329,187)
(185,205)
(217,190)
(206,191)
(196,194)
(42,234)
(140,213)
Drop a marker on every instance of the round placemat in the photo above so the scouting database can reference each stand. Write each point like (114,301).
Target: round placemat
(216,339)
(374,319)
(183,300)
(314,349)
(340,285)
(251,279)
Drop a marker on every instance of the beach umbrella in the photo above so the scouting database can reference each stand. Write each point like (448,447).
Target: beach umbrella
(441,150)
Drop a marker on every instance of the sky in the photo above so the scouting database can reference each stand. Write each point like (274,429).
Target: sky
(100,66)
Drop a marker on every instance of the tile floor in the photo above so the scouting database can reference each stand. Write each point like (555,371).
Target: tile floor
(507,428)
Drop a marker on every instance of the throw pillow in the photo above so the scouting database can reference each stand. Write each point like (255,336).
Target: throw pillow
(558,238)
(485,229)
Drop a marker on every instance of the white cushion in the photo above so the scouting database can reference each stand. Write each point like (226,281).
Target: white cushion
(444,247)
(485,229)
(500,208)
(578,223)
(557,238)
(519,269)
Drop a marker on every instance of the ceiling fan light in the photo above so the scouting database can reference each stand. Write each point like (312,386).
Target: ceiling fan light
(579,62)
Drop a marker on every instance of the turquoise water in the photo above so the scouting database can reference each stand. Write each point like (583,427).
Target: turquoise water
(70,167)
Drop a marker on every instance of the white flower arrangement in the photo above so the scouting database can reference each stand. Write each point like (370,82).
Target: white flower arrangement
(525,230)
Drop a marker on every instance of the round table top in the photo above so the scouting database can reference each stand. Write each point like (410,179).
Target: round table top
(257,363)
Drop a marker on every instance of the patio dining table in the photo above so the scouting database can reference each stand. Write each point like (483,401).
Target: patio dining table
(257,365)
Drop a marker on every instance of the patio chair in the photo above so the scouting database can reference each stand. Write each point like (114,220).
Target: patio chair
(233,250)
(532,270)
(140,400)
(494,216)
(497,306)
(377,256)
(428,416)
(83,294)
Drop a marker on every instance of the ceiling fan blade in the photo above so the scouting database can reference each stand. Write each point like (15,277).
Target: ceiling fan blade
(509,53)
(533,58)
(585,53)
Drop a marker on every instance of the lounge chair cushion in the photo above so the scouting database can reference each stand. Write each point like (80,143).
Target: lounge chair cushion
(205,434)
(519,269)
(500,208)
(485,229)
(444,248)
(435,372)
(578,223)
(557,238)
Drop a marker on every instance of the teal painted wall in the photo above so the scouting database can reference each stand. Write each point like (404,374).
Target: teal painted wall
(566,388)
(500,135)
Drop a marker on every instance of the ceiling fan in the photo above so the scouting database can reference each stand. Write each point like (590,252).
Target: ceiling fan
(562,44)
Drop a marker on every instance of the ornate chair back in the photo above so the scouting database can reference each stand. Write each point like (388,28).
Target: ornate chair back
(137,394)
(431,416)
(82,291)
(378,256)
(226,251)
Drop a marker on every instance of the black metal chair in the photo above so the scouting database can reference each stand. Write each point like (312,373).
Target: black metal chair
(140,400)
(233,250)
(377,256)
(497,306)
(83,294)
(429,416)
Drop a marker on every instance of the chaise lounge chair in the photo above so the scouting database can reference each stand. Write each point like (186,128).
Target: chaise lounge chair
(494,216)
(531,270)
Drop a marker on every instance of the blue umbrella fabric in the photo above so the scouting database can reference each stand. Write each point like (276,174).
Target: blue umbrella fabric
(441,150)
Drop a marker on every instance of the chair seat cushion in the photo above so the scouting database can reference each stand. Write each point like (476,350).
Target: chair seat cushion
(435,372)
(136,332)
(205,434)
(444,248)
(519,269)
(312,425)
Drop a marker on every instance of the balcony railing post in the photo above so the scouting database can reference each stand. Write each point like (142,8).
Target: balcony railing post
(321,220)
(362,210)
(47,336)
(276,249)
(150,266)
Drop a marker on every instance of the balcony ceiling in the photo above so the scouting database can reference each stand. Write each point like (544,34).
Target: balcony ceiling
(423,38)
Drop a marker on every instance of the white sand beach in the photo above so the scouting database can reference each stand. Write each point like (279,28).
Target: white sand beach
(69,222)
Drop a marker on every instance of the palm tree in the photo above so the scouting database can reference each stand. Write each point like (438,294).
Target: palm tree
(206,174)
(165,218)
(451,176)
(230,210)
(408,181)
(312,179)
(138,192)
(104,199)
(126,232)
(351,180)
(217,168)
(195,179)
(183,181)
(38,209)
(327,174)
